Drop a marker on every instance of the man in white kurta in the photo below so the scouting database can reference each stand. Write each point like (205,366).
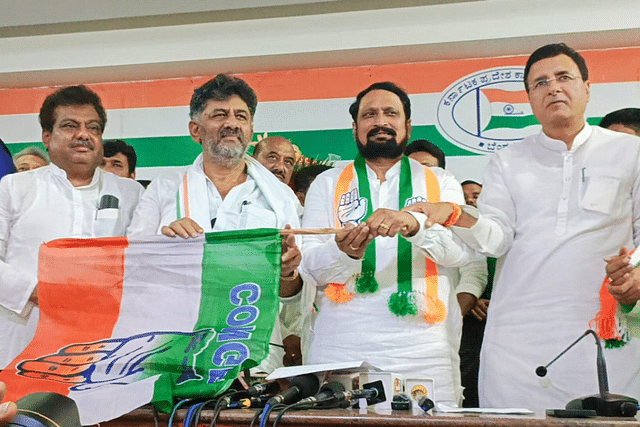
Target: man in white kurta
(224,189)
(364,328)
(552,208)
(69,198)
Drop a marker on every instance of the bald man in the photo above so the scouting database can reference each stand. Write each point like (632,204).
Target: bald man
(276,153)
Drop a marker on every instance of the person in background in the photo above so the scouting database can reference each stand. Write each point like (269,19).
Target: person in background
(426,153)
(471,190)
(626,120)
(30,158)
(120,158)
(290,319)
(470,284)
(474,321)
(6,162)
(277,154)
(304,177)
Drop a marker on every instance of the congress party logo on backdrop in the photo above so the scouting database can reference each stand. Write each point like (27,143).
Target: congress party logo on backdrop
(486,111)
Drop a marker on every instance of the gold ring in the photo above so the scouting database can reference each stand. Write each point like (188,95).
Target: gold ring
(385,226)
(353,249)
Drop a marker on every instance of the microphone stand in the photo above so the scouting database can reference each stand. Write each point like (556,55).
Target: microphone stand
(605,404)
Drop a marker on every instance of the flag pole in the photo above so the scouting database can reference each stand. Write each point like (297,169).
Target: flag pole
(299,231)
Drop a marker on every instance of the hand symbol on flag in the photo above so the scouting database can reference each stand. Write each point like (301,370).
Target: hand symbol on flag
(351,208)
(119,361)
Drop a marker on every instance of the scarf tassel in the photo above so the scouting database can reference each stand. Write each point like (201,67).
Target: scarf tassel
(337,293)
(606,322)
(403,304)
(434,310)
(366,283)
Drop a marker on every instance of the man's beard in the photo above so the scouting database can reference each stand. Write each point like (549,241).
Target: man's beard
(389,149)
(223,152)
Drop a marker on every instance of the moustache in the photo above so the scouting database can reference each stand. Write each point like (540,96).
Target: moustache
(228,132)
(373,132)
(80,143)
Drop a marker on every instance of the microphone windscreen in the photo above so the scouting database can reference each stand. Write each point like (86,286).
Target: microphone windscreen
(332,386)
(46,409)
(307,384)
(541,371)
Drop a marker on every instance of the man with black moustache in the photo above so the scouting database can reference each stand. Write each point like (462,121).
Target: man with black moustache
(380,287)
(70,198)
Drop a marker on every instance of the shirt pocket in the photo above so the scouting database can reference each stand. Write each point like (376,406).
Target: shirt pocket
(600,187)
(252,216)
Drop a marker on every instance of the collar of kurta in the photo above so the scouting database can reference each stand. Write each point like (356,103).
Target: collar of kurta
(557,145)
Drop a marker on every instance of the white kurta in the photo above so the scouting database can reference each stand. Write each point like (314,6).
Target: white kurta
(245,207)
(364,328)
(42,205)
(552,215)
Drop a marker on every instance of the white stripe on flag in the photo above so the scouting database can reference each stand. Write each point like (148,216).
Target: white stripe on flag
(162,283)
(101,403)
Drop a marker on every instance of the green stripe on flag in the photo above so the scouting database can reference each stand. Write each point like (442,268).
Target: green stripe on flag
(239,303)
(511,122)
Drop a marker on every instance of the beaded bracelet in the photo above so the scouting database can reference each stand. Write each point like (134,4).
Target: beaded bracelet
(455,215)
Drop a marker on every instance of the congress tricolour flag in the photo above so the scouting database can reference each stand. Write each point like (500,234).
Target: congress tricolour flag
(128,322)
(511,114)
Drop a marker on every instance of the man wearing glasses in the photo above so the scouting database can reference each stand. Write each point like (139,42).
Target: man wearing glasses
(552,208)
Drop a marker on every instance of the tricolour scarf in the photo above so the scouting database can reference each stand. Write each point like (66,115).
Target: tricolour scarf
(197,208)
(353,184)
(610,323)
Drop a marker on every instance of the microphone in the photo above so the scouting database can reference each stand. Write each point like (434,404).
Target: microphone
(605,404)
(326,396)
(425,403)
(373,392)
(264,388)
(301,386)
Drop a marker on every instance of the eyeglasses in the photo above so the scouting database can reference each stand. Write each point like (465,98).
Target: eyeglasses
(562,79)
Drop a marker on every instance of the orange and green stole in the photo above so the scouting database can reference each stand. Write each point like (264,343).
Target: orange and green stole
(405,301)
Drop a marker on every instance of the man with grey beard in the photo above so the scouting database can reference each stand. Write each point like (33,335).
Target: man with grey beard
(381,287)
(224,189)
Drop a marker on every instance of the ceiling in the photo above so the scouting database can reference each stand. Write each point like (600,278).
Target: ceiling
(63,42)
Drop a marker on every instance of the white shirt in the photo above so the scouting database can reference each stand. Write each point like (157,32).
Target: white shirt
(38,206)
(245,206)
(552,215)
(364,328)
(473,277)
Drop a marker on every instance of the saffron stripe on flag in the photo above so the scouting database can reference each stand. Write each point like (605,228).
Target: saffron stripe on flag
(506,96)
(71,287)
